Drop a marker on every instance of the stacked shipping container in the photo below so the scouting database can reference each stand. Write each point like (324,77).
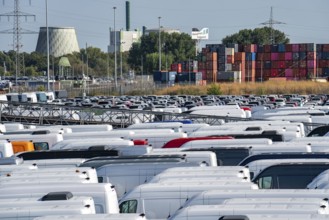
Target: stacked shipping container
(292,61)
(260,62)
(322,60)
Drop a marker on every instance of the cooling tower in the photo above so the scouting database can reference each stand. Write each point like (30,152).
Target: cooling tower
(62,40)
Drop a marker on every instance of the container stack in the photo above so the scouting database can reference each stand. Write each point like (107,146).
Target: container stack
(164,77)
(290,61)
(191,78)
(240,64)
(250,59)
(252,63)
(202,63)
(177,67)
(215,52)
(322,60)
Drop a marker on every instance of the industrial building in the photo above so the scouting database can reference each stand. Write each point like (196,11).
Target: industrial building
(124,40)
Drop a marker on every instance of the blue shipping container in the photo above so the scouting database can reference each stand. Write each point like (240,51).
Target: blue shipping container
(250,56)
(302,55)
(281,48)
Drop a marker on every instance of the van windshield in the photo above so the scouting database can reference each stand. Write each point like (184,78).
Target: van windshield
(129,206)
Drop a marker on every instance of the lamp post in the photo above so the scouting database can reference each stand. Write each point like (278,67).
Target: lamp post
(121,59)
(159,43)
(115,52)
(47,38)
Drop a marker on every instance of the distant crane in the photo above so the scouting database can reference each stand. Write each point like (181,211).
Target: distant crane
(17,32)
(270,24)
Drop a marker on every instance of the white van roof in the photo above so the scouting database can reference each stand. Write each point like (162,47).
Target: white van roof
(121,216)
(213,212)
(217,196)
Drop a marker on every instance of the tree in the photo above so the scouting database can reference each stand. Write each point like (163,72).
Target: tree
(175,47)
(257,36)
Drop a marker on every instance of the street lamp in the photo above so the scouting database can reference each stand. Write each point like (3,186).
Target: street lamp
(159,44)
(121,59)
(47,38)
(115,52)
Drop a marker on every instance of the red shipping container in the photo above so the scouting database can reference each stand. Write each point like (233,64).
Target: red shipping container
(281,72)
(240,56)
(260,56)
(274,56)
(230,59)
(201,65)
(275,64)
(267,56)
(210,65)
(237,66)
(302,72)
(177,67)
(288,47)
(323,64)
(295,47)
(267,48)
(250,65)
(173,67)
(295,72)
(267,73)
(282,56)
(288,56)
(311,64)
(325,48)
(274,72)
(302,64)
(259,64)
(204,50)
(289,64)
(250,48)
(211,56)
(288,73)
(311,55)
(281,64)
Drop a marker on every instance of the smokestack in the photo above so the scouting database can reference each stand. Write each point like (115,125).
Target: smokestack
(144,30)
(127,15)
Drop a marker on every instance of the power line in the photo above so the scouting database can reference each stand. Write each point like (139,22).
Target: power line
(271,22)
(17,32)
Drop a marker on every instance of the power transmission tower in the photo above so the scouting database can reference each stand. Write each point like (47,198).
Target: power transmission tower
(17,32)
(270,24)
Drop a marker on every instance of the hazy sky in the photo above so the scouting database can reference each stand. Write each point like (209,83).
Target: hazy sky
(306,20)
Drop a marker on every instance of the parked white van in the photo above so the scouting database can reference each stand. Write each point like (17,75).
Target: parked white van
(160,200)
(104,195)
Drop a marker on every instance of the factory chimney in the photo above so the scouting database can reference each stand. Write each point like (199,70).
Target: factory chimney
(127,15)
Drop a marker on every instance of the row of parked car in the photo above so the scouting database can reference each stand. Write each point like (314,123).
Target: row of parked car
(264,169)
(188,101)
